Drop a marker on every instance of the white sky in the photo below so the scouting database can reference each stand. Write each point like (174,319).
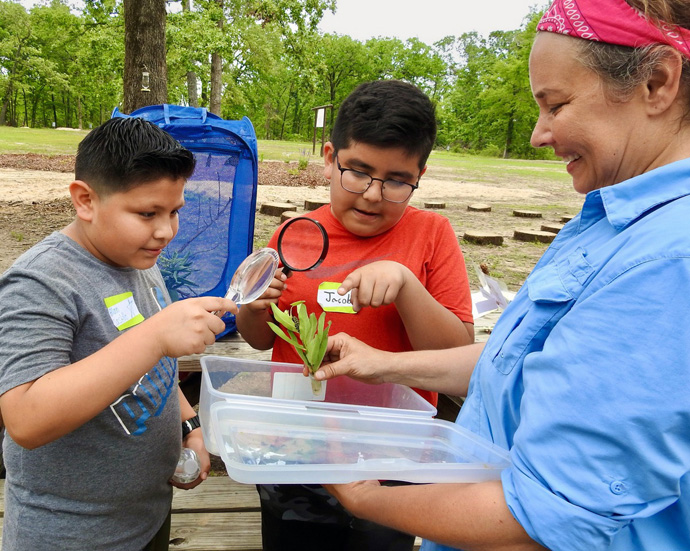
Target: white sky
(428,20)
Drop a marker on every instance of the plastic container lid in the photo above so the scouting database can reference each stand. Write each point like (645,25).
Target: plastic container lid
(306,445)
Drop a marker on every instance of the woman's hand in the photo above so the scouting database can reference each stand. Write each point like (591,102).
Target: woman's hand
(350,494)
(346,355)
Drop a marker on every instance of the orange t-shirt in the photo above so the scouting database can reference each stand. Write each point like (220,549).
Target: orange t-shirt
(423,241)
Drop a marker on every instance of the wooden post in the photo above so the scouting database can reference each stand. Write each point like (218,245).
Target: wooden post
(317,110)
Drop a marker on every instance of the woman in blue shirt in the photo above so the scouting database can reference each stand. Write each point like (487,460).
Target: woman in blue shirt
(585,376)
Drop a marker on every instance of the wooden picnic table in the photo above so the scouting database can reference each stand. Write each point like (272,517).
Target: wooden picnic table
(218,515)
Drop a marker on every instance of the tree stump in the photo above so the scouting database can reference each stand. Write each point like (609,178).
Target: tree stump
(313,204)
(483,237)
(553,228)
(527,213)
(285,216)
(434,205)
(276,209)
(479,207)
(534,235)
(567,218)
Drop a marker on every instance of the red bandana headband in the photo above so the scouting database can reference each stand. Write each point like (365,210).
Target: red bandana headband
(613,22)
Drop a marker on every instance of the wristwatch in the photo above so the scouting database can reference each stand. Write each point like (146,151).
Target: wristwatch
(189,425)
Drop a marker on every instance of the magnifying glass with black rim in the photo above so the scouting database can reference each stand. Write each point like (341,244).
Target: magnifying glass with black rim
(302,245)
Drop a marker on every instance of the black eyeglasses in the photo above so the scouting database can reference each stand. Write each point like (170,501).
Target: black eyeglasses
(393,191)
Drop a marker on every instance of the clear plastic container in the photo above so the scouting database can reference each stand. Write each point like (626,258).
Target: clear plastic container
(253,382)
(271,444)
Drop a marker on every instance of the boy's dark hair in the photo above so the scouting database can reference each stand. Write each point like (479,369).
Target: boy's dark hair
(126,152)
(387,113)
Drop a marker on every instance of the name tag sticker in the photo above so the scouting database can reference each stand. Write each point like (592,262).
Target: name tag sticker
(329,299)
(123,310)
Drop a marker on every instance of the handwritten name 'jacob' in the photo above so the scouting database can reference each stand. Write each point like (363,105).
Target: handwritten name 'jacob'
(329,299)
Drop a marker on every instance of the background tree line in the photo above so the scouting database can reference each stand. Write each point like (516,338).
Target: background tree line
(264,59)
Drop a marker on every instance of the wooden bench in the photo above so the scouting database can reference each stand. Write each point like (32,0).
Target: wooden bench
(218,515)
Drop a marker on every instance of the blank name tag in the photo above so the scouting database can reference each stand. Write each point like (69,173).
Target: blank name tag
(295,386)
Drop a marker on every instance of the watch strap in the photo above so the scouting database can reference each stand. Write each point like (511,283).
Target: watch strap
(189,425)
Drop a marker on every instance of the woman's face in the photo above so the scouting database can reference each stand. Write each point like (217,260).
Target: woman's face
(603,141)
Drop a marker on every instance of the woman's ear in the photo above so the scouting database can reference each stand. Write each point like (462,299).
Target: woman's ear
(663,87)
(83,198)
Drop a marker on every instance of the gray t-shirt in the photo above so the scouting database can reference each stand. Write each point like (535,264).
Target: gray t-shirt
(103,486)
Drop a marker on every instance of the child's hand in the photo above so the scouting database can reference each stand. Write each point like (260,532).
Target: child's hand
(195,442)
(189,326)
(271,295)
(376,284)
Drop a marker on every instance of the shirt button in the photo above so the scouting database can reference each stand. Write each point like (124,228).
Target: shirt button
(617,487)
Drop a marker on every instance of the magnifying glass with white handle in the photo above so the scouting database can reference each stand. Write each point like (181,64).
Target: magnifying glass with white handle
(253,276)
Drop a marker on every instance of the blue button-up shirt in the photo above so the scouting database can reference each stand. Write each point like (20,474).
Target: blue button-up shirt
(586,376)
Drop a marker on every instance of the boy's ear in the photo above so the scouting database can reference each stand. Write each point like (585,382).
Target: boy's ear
(328,160)
(83,198)
(423,171)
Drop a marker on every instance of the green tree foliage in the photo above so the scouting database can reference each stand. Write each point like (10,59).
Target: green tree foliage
(62,67)
(489,108)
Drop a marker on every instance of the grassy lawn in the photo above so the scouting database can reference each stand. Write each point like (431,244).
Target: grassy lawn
(44,141)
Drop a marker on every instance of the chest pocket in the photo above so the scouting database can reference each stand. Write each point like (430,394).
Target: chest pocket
(552,291)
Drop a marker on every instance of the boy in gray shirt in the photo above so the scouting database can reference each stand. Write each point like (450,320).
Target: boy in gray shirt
(88,347)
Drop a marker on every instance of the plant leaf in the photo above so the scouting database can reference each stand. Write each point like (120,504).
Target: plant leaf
(283,318)
(290,339)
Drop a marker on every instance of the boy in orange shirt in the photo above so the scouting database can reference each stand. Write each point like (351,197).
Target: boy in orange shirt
(394,277)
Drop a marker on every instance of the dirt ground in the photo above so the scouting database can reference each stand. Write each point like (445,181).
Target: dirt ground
(34,202)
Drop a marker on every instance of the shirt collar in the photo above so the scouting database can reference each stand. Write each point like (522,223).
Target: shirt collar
(628,200)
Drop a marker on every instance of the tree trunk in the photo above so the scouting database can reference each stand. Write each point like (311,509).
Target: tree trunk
(217,73)
(13,109)
(144,53)
(80,114)
(285,113)
(509,135)
(192,88)
(52,97)
(26,109)
(5,105)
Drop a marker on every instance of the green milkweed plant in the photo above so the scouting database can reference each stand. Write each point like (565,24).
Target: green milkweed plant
(307,334)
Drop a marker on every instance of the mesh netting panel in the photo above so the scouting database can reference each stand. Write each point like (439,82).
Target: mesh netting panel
(217,222)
